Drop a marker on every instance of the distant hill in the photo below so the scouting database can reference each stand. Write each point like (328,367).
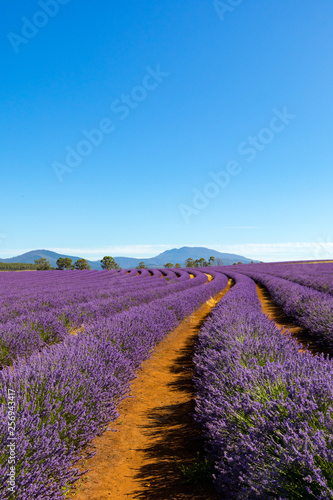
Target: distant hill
(181,254)
(52,257)
(176,255)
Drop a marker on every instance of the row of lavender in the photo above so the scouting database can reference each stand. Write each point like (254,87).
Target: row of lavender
(266,407)
(317,275)
(59,304)
(308,307)
(68,393)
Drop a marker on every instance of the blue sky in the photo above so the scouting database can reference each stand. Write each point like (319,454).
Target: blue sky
(129,128)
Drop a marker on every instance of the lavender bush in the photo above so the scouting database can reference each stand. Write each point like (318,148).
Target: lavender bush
(68,393)
(318,276)
(309,308)
(266,408)
(56,309)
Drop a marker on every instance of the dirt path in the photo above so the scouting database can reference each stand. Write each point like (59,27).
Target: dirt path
(209,276)
(155,427)
(275,313)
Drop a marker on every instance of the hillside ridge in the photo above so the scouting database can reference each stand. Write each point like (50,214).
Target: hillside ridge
(175,255)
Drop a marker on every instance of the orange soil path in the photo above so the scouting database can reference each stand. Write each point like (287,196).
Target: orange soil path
(155,427)
(276,314)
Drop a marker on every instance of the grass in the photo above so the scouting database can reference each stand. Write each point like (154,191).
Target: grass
(200,471)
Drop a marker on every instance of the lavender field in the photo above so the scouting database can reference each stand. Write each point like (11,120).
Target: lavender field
(266,404)
(72,341)
(70,345)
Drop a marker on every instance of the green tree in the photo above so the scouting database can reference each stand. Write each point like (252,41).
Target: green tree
(189,262)
(211,261)
(42,265)
(82,264)
(109,263)
(178,265)
(64,263)
(201,262)
(168,265)
(141,265)
(17,266)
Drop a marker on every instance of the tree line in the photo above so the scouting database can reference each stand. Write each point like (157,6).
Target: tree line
(16,266)
(203,262)
(189,263)
(108,263)
(65,263)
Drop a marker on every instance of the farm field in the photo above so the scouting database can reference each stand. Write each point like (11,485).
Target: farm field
(72,343)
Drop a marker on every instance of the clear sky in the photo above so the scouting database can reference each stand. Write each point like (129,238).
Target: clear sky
(131,127)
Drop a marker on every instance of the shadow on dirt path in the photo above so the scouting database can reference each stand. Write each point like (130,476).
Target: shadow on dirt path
(275,313)
(155,428)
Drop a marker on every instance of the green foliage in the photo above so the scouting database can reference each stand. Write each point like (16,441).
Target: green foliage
(199,262)
(17,266)
(64,263)
(46,333)
(82,264)
(5,356)
(109,263)
(42,265)
(141,265)
(189,262)
(178,265)
(295,485)
(211,261)
(199,472)
(168,265)
(297,480)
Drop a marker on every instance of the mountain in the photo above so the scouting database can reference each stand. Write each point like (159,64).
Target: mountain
(181,254)
(175,255)
(52,257)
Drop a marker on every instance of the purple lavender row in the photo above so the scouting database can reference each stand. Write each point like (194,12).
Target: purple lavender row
(265,407)
(309,308)
(43,283)
(156,273)
(68,394)
(25,283)
(34,326)
(51,280)
(317,276)
(79,290)
(14,305)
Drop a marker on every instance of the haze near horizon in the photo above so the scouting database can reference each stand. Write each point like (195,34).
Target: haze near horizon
(130,129)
